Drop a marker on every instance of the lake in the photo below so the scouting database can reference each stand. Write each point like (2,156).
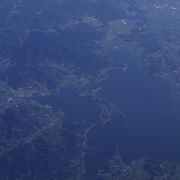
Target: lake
(153,108)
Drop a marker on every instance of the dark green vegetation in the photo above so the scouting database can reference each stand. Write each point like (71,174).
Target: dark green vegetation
(49,45)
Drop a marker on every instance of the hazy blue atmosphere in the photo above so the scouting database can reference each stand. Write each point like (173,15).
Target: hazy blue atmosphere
(89,90)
